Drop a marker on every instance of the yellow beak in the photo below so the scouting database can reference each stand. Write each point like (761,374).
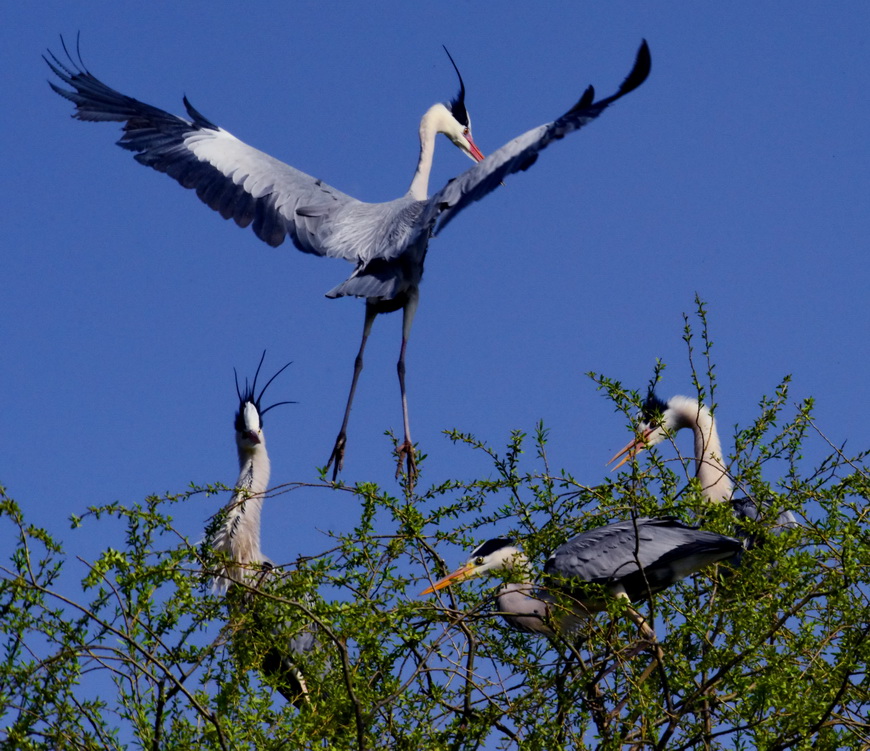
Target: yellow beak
(461,574)
(632,449)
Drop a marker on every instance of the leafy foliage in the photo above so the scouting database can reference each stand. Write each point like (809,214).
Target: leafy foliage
(771,654)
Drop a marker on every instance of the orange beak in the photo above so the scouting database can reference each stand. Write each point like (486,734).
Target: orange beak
(476,153)
(632,449)
(461,574)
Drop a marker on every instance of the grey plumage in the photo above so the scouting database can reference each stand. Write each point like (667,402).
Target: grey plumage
(522,152)
(386,242)
(638,557)
(253,188)
(634,559)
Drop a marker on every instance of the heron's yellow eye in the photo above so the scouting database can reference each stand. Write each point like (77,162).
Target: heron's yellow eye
(478,561)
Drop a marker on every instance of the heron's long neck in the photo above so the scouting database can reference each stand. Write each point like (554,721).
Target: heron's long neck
(254,469)
(419,189)
(239,537)
(709,465)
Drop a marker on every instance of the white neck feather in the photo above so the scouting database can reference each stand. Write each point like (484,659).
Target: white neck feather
(239,537)
(709,464)
(433,122)
(521,610)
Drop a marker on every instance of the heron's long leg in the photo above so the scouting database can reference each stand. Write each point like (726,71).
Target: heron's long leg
(337,454)
(406,450)
(650,636)
(647,634)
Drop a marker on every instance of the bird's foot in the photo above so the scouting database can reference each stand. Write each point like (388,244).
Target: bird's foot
(405,453)
(337,455)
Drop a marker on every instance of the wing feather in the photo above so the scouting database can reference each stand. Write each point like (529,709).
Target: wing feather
(233,178)
(642,555)
(522,152)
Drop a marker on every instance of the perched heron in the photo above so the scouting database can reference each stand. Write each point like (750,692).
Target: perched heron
(238,538)
(386,242)
(629,559)
(660,420)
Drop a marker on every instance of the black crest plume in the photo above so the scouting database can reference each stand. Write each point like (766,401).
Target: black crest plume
(653,408)
(249,393)
(457,104)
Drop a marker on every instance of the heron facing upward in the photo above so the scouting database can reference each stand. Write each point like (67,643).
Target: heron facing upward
(238,542)
(239,537)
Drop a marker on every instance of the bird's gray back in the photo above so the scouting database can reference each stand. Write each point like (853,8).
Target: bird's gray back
(391,251)
(642,556)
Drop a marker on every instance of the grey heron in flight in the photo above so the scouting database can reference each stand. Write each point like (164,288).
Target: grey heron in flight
(238,538)
(630,559)
(386,242)
(660,420)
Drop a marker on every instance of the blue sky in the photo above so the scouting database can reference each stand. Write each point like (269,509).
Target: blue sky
(739,172)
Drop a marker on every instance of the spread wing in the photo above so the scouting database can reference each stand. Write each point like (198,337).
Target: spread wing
(522,152)
(233,178)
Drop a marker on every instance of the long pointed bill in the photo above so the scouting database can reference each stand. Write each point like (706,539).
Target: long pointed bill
(631,450)
(461,574)
(474,152)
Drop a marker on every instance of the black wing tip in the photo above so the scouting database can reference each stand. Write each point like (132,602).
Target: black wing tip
(198,118)
(639,73)
(77,62)
(641,70)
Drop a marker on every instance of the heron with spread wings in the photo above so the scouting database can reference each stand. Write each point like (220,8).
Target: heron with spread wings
(386,242)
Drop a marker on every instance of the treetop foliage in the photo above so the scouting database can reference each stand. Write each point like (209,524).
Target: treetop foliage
(771,653)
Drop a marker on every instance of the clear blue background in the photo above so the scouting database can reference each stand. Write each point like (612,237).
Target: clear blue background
(739,171)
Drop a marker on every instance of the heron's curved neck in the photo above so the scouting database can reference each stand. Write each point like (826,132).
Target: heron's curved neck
(419,189)
(709,464)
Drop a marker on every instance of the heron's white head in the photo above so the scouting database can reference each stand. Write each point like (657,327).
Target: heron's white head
(249,417)
(440,119)
(494,555)
(249,429)
(656,421)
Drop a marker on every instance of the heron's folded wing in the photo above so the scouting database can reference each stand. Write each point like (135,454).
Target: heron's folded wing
(640,555)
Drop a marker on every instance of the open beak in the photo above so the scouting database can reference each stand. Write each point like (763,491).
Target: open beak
(461,574)
(631,450)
